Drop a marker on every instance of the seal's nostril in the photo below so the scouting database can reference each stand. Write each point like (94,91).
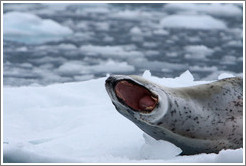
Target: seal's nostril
(110,80)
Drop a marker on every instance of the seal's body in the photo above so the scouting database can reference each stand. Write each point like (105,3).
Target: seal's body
(199,119)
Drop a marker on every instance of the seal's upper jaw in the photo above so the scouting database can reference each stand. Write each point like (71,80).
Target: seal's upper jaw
(133,94)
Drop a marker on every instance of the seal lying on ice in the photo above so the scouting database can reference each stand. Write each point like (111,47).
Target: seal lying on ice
(199,119)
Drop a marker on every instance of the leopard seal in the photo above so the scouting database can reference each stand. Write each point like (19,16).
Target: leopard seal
(204,118)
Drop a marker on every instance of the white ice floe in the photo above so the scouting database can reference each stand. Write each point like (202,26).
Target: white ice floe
(31,29)
(136,31)
(205,22)
(197,51)
(131,15)
(235,43)
(22,49)
(109,66)
(48,59)
(151,53)
(155,65)
(67,46)
(108,39)
(101,26)
(77,123)
(161,32)
(58,69)
(88,8)
(222,74)
(150,44)
(229,59)
(110,51)
(23,6)
(203,68)
(215,9)
(62,46)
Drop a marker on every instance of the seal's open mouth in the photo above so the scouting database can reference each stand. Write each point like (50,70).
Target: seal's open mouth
(135,96)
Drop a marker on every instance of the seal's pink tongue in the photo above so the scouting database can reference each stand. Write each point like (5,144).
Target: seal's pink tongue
(135,96)
(146,103)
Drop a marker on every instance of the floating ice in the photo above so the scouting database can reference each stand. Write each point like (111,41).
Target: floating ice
(78,68)
(228,59)
(161,32)
(215,9)
(203,68)
(155,65)
(31,29)
(131,15)
(136,31)
(110,51)
(192,22)
(222,74)
(197,51)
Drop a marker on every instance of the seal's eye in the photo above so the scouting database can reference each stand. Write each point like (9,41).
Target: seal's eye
(135,96)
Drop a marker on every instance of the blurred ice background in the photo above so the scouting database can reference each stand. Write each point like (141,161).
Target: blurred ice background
(52,43)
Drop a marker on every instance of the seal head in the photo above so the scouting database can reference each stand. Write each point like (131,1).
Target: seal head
(135,98)
(199,119)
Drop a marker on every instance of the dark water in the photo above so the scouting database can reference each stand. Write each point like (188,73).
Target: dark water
(135,29)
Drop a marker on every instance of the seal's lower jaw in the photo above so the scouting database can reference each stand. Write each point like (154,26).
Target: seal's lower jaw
(135,96)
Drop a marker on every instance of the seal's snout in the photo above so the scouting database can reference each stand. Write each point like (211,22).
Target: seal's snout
(110,81)
(131,93)
(135,96)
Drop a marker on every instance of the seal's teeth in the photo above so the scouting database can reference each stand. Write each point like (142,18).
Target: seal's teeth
(149,108)
(147,103)
(154,98)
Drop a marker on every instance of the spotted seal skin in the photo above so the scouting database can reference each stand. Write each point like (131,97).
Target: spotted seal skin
(199,119)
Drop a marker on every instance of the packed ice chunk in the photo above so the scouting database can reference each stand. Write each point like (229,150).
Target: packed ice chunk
(215,9)
(158,149)
(32,29)
(192,22)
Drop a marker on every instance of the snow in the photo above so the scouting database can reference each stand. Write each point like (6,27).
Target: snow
(29,28)
(204,22)
(77,123)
